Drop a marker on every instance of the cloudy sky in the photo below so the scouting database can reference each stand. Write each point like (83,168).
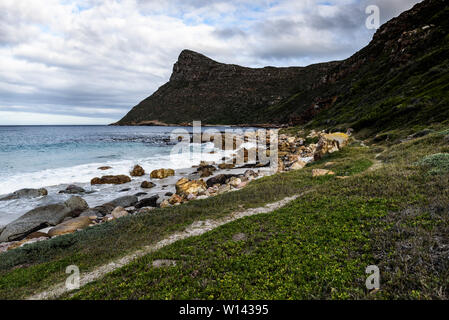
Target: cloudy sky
(90,61)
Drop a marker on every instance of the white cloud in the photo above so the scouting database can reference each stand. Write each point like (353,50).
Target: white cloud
(92,57)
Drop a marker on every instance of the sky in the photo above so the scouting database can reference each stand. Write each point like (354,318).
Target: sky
(91,61)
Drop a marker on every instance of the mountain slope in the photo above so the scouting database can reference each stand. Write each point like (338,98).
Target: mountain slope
(400,78)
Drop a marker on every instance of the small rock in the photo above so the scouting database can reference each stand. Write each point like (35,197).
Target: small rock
(137,171)
(175,199)
(120,179)
(165,204)
(234,182)
(224,188)
(147,202)
(169,194)
(25,193)
(72,189)
(321,172)
(298,165)
(163,263)
(147,185)
(224,166)
(70,226)
(119,212)
(162,173)
(104,168)
(250,174)
(243,184)
(184,187)
(140,194)
(125,190)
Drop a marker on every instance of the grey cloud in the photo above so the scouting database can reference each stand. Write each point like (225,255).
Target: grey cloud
(227,33)
(90,62)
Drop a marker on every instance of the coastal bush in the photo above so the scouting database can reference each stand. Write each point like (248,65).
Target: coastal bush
(436,163)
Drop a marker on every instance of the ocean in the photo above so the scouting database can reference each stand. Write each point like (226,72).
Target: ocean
(56,156)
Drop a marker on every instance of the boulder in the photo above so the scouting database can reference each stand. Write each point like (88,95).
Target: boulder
(147,202)
(70,226)
(98,211)
(224,188)
(41,217)
(297,165)
(137,171)
(105,209)
(165,204)
(227,166)
(321,172)
(72,189)
(250,174)
(175,199)
(219,179)
(242,185)
(140,194)
(126,201)
(119,212)
(206,172)
(162,173)
(184,187)
(120,179)
(25,193)
(330,143)
(147,185)
(235,182)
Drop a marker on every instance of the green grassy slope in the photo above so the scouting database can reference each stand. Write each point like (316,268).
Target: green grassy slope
(318,246)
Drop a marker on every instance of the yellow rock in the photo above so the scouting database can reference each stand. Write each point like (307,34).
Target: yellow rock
(70,226)
(162,173)
(175,199)
(330,143)
(321,172)
(298,165)
(165,204)
(184,187)
(119,212)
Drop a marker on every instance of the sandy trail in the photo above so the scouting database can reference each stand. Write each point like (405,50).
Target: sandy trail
(195,229)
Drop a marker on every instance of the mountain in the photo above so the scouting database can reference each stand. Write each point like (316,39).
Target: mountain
(400,78)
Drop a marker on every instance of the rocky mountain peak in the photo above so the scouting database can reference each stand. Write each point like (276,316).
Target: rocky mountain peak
(191,66)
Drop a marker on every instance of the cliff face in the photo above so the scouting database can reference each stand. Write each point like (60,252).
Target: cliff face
(216,93)
(353,91)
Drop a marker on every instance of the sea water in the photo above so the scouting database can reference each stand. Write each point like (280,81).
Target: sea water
(56,156)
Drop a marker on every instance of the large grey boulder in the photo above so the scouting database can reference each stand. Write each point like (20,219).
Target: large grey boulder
(72,189)
(105,209)
(126,201)
(25,193)
(41,217)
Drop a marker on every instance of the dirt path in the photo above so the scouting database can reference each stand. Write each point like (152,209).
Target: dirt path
(195,229)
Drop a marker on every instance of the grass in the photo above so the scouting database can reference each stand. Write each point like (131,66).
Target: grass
(318,246)
(97,245)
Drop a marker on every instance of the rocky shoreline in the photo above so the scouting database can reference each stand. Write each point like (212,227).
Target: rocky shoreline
(205,180)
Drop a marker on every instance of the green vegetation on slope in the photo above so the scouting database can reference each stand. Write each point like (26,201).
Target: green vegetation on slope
(317,247)
(25,270)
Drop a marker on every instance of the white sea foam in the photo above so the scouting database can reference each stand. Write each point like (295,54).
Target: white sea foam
(57,179)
